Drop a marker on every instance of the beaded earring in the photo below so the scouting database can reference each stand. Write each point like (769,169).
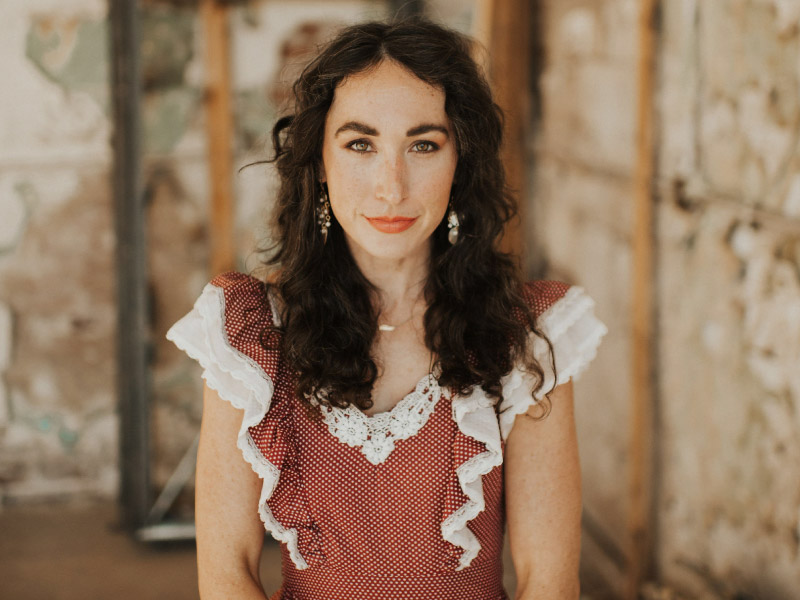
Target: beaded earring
(452,225)
(324,213)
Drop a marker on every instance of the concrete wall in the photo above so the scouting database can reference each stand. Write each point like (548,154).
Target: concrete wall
(728,275)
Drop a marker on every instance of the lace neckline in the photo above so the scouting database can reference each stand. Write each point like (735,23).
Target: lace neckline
(377,434)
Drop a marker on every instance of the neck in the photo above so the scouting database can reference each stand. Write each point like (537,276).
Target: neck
(399,281)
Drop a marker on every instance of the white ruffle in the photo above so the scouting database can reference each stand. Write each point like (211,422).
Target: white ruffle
(575,333)
(241,381)
(475,417)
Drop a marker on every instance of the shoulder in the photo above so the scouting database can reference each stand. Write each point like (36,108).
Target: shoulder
(540,294)
(565,315)
(240,285)
(559,307)
(245,304)
(224,331)
(241,292)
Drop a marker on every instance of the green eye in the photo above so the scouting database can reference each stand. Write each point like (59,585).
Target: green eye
(359,146)
(424,147)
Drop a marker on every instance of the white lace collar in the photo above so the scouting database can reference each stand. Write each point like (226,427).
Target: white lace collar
(376,435)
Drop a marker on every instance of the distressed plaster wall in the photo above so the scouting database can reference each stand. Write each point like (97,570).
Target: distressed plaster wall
(579,227)
(728,275)
(57,418)
(729,240)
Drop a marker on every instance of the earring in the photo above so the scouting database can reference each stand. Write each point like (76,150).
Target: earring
(452,225)
(324,213)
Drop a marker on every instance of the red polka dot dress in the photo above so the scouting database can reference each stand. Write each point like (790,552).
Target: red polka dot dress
(401,505)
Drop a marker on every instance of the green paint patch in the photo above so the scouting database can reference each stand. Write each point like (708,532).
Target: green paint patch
(44,423)
(16,216)
(67,437)
(166,116)
(169,105)
(167,45)
(254,116)
(71,52)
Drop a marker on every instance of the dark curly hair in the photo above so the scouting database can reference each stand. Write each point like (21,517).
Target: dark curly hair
(477,321)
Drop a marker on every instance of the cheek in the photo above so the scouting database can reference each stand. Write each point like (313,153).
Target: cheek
(348,188)
(435,184)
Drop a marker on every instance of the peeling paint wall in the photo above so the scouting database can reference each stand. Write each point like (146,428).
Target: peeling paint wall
(729,235)
(728,276)
(578,220)
(58,426)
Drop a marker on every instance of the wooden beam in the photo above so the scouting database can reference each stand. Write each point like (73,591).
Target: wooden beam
(640,520)
(504,29)
(220,132)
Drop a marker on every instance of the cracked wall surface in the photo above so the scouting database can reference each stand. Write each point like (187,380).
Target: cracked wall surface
(727,348)
(58,424)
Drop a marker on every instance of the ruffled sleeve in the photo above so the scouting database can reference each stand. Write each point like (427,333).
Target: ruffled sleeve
(222,332)
(565,314)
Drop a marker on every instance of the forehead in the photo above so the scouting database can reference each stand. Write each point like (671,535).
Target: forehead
(388,89)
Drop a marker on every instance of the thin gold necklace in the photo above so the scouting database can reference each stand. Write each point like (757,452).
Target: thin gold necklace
(387,327)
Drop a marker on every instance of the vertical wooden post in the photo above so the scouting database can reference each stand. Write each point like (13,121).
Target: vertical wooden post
(504,28)
(133,381)
(219,119)
(640,522)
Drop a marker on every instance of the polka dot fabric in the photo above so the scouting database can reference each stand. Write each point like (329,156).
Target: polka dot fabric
(542,295)
(364,531)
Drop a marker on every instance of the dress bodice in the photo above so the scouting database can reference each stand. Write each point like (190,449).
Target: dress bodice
(399,505)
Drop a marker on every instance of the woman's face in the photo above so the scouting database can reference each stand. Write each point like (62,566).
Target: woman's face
(388,157)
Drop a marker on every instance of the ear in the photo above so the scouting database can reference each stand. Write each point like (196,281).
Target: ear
(322,177)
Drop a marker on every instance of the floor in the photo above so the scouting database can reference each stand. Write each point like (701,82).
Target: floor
(78,552)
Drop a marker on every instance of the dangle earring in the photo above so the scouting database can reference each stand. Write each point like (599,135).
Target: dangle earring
(324,213)
(452,225)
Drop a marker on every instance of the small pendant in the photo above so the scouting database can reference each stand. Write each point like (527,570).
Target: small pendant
(386,327)
(452,235)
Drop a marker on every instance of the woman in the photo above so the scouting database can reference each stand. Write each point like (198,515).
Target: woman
(389,280)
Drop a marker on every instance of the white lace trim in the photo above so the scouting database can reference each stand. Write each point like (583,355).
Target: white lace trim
(241,381)
(575,333)
(475,417)
(376,435)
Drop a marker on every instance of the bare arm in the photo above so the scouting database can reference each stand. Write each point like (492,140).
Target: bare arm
(543,501)
(229,532)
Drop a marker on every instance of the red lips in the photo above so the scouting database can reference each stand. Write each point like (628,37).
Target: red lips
(391,224)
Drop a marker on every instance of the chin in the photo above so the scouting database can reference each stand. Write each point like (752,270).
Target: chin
(390,246)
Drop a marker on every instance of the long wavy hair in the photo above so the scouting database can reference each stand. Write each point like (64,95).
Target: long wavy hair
(476,323)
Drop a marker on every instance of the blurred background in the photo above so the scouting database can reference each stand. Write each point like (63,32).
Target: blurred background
(654,147)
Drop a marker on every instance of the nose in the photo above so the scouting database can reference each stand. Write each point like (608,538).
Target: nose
(391,179)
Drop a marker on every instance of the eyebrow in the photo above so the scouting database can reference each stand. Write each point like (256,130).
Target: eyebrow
(367,130)
(357,127)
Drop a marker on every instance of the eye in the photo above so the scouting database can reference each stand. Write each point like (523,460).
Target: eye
(424,147)
(359,145)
